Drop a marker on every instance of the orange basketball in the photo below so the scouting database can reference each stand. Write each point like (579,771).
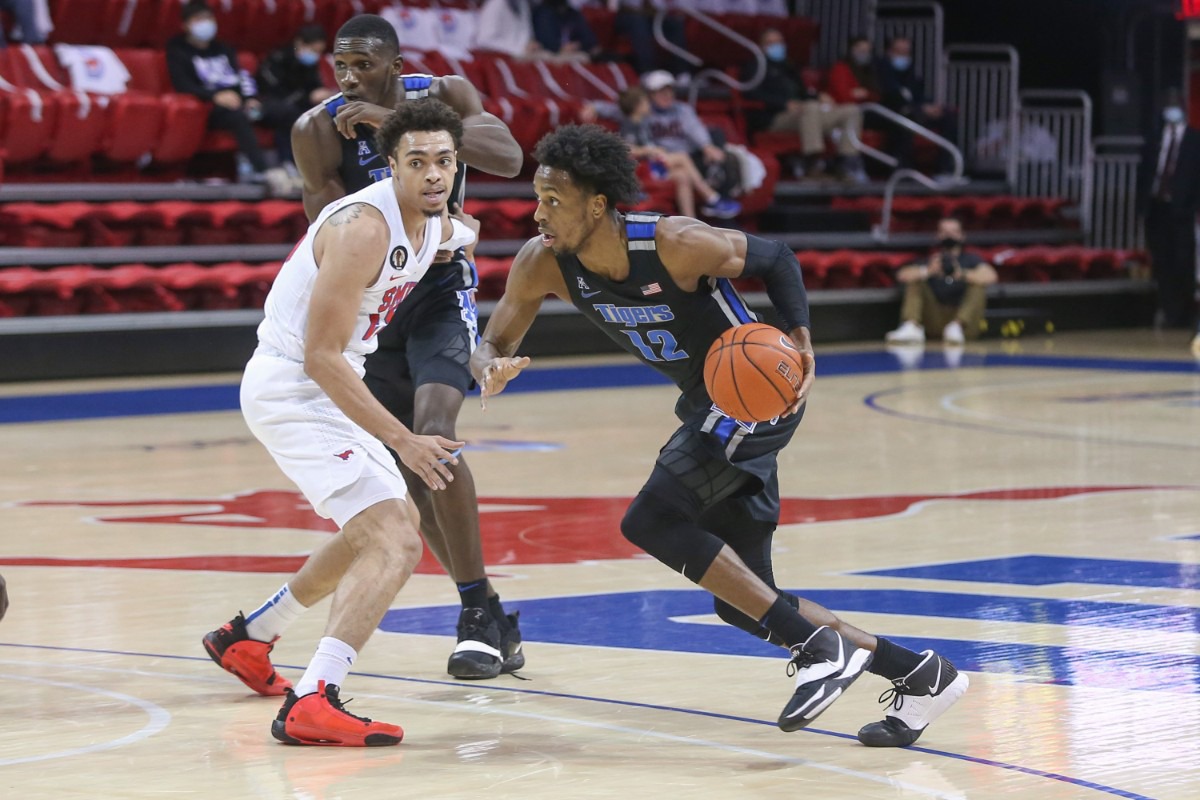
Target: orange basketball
(753,372)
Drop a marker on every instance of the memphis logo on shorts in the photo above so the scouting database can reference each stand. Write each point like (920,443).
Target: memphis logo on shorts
(392,299)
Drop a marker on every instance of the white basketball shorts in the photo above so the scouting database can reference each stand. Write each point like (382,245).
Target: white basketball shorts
(341,469)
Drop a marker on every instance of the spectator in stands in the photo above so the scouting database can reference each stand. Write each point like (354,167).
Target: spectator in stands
(792,104)
(289,83)
(947,292)
(675,128)
(632,109)
(634,24)
(507,27)
(1169,199)
(202,65)
(562,31)
(25,15)
(855,79)
(903,91)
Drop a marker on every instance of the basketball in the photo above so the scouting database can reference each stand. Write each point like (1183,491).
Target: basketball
(753,372)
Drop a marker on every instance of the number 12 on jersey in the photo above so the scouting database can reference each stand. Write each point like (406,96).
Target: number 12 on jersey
(667,346)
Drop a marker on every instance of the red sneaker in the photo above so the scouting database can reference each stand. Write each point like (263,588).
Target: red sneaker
(248,659)
(320,718)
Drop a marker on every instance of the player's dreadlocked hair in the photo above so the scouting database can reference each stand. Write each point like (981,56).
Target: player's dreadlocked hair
(596,160)
(370,26)
(426,114)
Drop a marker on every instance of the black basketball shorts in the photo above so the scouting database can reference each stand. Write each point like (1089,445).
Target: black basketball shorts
(429,340)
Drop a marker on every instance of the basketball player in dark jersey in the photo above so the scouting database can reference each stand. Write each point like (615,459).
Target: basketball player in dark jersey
(419,371)
(659,287)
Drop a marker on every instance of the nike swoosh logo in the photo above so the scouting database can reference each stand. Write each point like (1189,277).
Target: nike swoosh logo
(586,295)
(362,162)
(933,688)
(397,277)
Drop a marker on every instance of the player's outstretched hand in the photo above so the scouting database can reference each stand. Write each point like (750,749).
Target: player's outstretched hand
(357,112)
(430,457)
(497,374)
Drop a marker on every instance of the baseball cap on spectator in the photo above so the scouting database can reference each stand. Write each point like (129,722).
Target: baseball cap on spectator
(657,79)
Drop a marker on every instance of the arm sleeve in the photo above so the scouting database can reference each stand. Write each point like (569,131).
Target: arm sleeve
(776,266)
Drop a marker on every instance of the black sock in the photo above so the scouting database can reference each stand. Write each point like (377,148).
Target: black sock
(474,594)
(785,623)
(893,661)
(497,611)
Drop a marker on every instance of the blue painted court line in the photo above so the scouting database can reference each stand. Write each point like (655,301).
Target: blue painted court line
(1047,570)
(224,397)
(646,622)
(493,686)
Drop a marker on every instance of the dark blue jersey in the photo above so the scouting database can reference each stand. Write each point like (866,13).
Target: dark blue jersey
(362,164)
(648,315)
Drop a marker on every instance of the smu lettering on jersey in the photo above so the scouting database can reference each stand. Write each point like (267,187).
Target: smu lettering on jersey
(288,301)
(648,315)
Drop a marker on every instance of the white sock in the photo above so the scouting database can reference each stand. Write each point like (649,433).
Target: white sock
(331,664)
(273,617)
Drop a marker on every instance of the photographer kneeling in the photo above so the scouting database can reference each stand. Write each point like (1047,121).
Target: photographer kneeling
(947,293)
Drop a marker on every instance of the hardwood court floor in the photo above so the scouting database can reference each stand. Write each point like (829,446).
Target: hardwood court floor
(1034,515)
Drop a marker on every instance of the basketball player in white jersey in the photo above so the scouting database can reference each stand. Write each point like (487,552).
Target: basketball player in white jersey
(304,398)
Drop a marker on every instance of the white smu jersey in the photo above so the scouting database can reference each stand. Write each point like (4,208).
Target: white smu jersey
(287,304)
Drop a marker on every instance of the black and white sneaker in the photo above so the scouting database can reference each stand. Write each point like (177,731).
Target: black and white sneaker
(477,655)
(824,666)
(916,700)
(510,643)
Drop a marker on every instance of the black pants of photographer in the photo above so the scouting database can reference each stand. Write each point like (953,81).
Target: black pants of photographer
(1171,240)
(922,306)
(237,123)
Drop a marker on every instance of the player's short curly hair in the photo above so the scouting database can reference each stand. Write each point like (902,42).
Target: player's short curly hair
(596,160)
(426,114)
(370,26)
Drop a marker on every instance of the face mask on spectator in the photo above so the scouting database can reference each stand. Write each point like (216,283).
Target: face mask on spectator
(862,59)
(776,51)
(901,62)
(949,243)
(307,57)
(1173,115)
(204,30)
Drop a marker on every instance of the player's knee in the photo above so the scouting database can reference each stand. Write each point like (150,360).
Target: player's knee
(402,549)
(643,520)
(435,424)
(670,536)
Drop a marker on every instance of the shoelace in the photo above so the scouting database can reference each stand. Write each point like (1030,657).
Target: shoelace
(340,705)
(801,659)
(894,696)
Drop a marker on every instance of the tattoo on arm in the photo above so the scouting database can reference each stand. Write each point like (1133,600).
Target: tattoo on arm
(344,215)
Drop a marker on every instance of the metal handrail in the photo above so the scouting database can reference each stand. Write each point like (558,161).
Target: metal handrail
(921,130)
(882,231)
(704,75)
(599,85)
(1014,93)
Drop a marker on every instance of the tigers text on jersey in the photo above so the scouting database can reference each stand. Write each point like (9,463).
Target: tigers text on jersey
(287,305)
(648,315)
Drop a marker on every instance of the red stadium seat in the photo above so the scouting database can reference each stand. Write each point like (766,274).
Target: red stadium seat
(45,224)
(185,118)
